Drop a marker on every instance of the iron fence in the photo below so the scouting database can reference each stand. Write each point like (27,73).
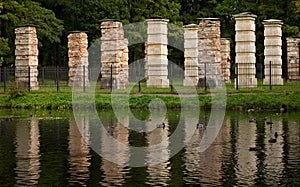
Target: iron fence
(56,79)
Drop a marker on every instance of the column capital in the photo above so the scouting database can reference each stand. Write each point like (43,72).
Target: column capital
(272,22)
(191,26)
(244,15)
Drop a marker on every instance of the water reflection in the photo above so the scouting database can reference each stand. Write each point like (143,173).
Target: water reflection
(27,152)
(159,136)
(79,153)
(35,151)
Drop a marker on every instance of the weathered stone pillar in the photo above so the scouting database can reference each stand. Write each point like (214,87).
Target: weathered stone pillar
(245,49)
(26,56)
(293,56)
(191,55)
(157,53)
(273,51)
(225,64)
(209,46)
(114,52)
(78,58)
(146,61)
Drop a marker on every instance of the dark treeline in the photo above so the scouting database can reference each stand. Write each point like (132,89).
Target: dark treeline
(57,17)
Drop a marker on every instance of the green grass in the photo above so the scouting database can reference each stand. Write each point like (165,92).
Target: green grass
(260,98)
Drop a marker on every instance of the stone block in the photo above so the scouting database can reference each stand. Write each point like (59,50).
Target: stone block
(157,82)
(244,48)
(245,37)
(190,43)
(272,41)
(191,53)
(157,39)
(273,51)
(157,49)
(157,28)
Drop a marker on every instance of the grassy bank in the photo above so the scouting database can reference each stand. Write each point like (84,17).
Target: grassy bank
(63,101)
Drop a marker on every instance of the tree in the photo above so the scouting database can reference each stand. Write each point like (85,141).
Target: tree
(49,29)
(10,14)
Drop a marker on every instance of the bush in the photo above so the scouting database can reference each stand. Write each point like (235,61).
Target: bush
(18,89)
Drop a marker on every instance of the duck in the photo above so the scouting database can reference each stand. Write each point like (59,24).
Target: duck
(283,108)
(250,110)
(272,140)
(263,119)
(161,126)
(276,135)
(252,120)
(257,148)
(142,132)
(200,126)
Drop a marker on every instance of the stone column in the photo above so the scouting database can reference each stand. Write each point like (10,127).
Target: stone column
(146,61)
(245,49)
(78,58)
(26,56)
(273,51)
(157,51)
(293,56)
(191,55)
(209,46)
(114,52)
(225,55)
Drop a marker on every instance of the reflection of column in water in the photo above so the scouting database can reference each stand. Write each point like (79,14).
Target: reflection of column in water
(159,173)
(229,159)
(79,151)
(192,159)
(246,160)
(114,173)
(292,154)
(203,168)
(27,153)
(274,153)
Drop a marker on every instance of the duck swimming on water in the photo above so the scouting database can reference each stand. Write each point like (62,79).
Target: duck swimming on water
(257,148)
(161,126)
(275,134)
(200,126)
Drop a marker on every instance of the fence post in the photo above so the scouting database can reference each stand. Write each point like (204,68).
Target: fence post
(237,76)
(83,78)
(29,78)
(270,75)
(0,74)
(111,77)
(139,86)
(90,73)
(14,72)
(57,78)
(4,77)
(43,75)
(171,77)
(205,78)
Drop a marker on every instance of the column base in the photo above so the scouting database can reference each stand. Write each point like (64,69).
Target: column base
(246,82)
(275,81)
(19,84)
(190,81)
(116,83)
(211,83)
(158,83)
(78,83)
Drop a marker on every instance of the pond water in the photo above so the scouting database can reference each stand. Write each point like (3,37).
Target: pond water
(38,150)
